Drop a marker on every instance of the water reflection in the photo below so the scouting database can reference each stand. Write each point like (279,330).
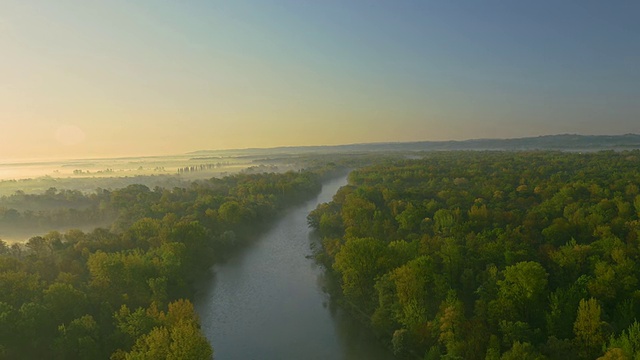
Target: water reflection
(267,301)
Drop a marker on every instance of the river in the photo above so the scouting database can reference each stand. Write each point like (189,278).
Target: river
(267,301)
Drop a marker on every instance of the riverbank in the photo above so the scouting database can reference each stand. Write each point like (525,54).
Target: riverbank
(268,301)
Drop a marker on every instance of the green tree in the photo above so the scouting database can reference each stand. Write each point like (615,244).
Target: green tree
(451,320)
(359,261)
(523,287)
(626,345)
(177,337)
(522,351)
(79,339)
(589,329)
(64,302)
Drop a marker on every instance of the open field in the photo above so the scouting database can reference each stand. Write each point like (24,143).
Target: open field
(90,175)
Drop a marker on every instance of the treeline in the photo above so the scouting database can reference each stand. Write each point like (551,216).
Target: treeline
(122,293)
(202,167)
(87,184)
(492,255)
(55,208)
(49,199)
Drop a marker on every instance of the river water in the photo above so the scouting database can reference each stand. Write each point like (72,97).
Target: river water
(267,301)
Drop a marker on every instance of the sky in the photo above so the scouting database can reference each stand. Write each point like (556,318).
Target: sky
(85,79)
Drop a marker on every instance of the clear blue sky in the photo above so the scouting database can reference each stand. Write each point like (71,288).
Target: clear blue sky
(107,78)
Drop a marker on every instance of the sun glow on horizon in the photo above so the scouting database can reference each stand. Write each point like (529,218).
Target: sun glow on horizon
(90,79)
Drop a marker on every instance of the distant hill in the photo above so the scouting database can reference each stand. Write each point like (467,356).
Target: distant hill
(563,142)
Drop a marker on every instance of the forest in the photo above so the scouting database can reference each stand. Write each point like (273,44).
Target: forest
(445,255)
(491,255)
(122,292)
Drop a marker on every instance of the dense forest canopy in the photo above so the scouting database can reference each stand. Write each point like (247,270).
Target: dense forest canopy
(473,255)
(122,293)
(492,255)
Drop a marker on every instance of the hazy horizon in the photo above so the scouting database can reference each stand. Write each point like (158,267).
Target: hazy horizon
(196,152)
(146,78)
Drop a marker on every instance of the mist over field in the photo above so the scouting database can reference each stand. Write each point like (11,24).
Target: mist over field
(88,176)
(62,180)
